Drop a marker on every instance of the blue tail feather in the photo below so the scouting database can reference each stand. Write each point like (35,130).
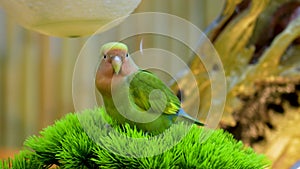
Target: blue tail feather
(183,114)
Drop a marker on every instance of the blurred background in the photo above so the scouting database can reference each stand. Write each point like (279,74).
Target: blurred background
(36,70)
(257,41)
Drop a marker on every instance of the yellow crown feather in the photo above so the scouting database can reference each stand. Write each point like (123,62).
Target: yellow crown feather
(113,46)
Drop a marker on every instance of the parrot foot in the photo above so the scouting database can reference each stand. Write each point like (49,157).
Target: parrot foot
(108,127)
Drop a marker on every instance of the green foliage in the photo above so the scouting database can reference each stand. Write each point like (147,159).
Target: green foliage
(24,160)
(86,141)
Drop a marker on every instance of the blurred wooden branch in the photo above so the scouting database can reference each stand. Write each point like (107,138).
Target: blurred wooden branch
(258,43)
(234,35)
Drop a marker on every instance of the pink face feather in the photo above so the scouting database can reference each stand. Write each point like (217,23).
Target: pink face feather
(116,63)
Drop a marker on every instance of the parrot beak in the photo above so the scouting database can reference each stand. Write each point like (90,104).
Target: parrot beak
(116,63)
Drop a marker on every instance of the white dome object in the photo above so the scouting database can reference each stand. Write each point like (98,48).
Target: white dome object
(67,18)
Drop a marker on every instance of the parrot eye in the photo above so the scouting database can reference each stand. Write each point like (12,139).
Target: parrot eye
(127,55)
(104,56)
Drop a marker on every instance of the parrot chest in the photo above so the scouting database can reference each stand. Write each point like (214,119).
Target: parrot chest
(136,100)
(151,122)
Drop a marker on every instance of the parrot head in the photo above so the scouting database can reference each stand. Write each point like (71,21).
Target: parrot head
(116,63)
(115,53)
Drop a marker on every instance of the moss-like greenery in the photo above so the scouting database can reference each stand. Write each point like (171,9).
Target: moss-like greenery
(86,141)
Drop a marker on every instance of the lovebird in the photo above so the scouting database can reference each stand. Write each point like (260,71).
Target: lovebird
(135,96)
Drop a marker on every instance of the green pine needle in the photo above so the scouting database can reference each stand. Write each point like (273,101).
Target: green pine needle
(86,141)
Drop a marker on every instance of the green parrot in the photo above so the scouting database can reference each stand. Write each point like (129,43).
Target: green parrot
(135,96)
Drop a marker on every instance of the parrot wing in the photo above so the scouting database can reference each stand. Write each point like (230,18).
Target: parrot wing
(149,93)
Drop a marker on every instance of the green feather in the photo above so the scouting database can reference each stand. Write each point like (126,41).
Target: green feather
(146,102)
(142,85)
